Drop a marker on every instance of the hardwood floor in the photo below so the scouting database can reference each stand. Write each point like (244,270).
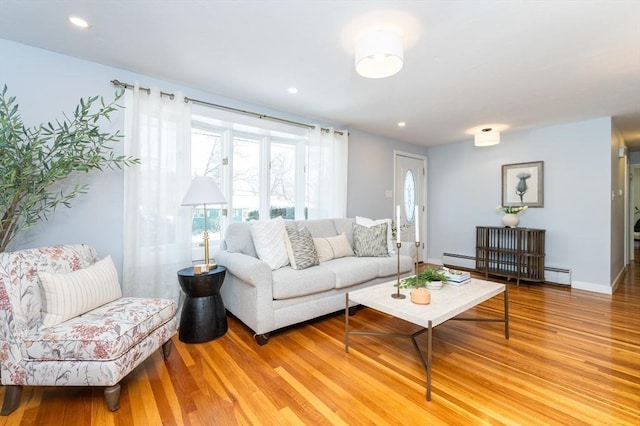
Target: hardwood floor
(573,358)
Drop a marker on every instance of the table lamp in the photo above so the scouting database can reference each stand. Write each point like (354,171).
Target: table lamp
(203,191)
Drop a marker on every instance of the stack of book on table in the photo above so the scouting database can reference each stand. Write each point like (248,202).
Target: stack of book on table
(456,277)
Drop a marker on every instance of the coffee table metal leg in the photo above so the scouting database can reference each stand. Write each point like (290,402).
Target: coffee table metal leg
(346,323)
(429,347)
(506,312)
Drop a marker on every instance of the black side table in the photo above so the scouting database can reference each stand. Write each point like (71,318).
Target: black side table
(203,314)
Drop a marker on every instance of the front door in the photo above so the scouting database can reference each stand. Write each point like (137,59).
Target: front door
(410,184)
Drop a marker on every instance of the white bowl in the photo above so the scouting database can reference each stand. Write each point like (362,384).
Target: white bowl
(434,285)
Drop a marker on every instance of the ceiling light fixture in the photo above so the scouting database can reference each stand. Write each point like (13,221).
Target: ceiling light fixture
(487,137)
(402,124)
(78,22)
(379,54)
(292,90)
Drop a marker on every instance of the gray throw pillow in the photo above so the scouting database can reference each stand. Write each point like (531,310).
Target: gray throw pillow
(300,248)
(370,241)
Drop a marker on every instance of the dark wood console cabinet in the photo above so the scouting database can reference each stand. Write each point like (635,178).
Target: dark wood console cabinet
(510,252)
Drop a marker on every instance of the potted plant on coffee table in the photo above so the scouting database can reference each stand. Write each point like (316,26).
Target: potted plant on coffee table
(428,279)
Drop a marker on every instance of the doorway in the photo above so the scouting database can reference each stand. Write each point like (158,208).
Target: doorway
(410,196)
(635,211)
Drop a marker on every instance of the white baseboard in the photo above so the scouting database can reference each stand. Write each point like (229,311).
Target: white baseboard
(596,288)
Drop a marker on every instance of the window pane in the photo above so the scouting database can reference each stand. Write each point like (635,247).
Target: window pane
(283,180)
(206,160)
(409,195)
(246,179)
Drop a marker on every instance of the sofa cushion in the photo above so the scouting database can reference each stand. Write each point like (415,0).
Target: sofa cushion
(344,225)
(365,221)
(370,241)
(300,248)
(352,270)
(104,333)
(238,239)
(288,282)
(268,239)
(388,266)
(66,295)
(332,247)
(319,227)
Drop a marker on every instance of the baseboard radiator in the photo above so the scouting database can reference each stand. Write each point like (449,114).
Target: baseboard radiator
(552,274)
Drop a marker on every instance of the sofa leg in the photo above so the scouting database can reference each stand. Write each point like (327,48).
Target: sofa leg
(353,310)
(12,395)
(261,339)
(166,348)
(112,396)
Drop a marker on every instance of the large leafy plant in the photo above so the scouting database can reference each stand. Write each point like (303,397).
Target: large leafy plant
(35,161)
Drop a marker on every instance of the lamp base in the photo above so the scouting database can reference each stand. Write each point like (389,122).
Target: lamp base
(398,296)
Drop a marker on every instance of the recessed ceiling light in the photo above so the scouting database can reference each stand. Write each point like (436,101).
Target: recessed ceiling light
(402,124)
(292,90)
(78,22)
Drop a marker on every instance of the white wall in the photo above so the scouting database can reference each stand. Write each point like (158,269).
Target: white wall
(465,187)
(371,168)
(46,84)
(463,181)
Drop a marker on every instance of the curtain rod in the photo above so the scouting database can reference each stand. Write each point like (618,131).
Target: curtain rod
(226,108)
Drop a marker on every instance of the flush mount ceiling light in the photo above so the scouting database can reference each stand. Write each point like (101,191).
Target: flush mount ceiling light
(487,137)
(379,54)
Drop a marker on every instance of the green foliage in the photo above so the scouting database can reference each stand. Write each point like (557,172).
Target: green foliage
(424,277)
(35,161)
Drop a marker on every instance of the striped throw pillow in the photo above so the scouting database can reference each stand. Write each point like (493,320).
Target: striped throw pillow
(300,248)
(65,296)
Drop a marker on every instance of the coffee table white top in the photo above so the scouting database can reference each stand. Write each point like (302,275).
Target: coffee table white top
(446,303)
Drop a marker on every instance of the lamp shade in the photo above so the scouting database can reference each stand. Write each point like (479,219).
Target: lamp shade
(379,54)
(486,137)
(203,190)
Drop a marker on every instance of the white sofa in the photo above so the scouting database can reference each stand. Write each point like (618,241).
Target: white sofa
(266,300)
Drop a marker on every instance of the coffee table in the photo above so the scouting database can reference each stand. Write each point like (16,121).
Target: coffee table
(446,303)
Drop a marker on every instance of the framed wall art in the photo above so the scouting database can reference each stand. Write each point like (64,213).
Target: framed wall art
(523,184)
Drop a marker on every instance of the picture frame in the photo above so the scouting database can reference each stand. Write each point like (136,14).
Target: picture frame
(523,184)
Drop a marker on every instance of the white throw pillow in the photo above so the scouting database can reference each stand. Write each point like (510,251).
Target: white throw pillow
(364,221)
(333,247)
(68,295)
(268,238)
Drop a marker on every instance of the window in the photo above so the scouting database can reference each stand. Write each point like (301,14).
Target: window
(206,160)
(283,180)
(260,170)
(409,195)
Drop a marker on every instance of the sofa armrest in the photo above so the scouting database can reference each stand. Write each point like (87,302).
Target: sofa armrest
(249,269)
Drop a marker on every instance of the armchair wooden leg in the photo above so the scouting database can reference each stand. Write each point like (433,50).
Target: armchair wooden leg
(112,396)
(166,348)
(12,395)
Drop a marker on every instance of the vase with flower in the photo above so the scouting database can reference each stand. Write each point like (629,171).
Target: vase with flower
(510,217)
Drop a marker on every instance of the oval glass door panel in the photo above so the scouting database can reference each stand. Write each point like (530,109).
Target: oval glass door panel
(409,195)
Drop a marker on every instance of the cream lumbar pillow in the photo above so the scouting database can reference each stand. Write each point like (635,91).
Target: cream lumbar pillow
(268,239)
(65,296)
(364,221)
(333,247)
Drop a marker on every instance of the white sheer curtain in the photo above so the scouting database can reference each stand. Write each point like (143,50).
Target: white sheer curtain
(327,164)
(157,230)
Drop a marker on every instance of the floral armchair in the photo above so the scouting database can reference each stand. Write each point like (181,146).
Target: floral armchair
(97,347)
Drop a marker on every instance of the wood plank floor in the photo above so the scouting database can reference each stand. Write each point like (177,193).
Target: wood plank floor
(573,358)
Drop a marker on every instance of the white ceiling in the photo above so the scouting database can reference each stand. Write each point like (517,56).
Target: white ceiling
(517,64)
